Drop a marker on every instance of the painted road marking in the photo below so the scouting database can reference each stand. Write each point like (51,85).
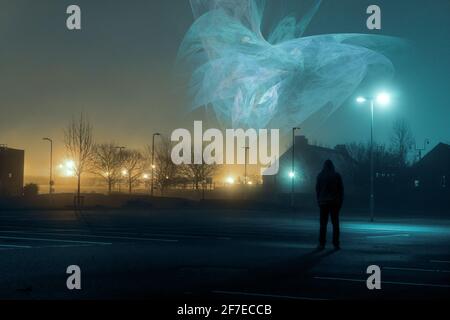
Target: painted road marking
(106,233)
(264,295)
(388,282)
(54,240)
(389,235)
(439,261)
(64,246)
(14,246)
(97,236)
(415,269)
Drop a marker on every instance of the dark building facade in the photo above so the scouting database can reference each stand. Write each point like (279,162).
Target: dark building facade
(308,162)
(423,187)
(432,173)
(11,171)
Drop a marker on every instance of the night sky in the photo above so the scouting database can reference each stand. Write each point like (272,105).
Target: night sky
(119,70)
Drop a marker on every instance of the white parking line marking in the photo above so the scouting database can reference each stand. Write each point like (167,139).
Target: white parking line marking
(264,295)
(415,269)
(54,240)
(387,282)
(64,246)
(388,236)
(97,236)
(13,246)
(223,238)
(439,261)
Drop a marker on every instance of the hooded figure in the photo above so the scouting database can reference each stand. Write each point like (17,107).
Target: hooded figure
(330,196)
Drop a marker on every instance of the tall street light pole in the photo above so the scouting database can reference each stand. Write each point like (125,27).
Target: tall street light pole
(50,183)
(245,166)
(153,162)
(372,191)
(245,171)
(292,173)
(382,99)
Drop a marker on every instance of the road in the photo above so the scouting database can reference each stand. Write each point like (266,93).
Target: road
(217,254)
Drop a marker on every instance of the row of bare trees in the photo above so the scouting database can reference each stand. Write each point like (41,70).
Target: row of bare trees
(167,173)
(395,155)
(392,158)
(114,164)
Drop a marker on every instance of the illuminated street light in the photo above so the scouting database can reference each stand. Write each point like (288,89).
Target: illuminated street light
(51,183)
(360,99)
(153,161)
(293,166)
(230,180)
(291,174)
(382,99)
(67,168)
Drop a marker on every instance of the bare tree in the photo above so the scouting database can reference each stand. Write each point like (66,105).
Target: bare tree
(384,161)
(107,163)
(401,141)
(134,164)
(198,173)
(165,171)
(79,143)
(358,152)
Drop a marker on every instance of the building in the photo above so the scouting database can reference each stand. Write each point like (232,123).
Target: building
(308,162)
(432,172)
(11,171)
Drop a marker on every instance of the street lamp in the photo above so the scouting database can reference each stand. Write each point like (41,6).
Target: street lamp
(292,173)
(382,99)
(50,184)
(245,165)
(230,180)
(153,161)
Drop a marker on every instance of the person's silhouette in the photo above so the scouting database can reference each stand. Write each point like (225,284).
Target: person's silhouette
(330,196)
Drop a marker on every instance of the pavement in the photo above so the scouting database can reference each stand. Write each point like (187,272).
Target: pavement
(218,254)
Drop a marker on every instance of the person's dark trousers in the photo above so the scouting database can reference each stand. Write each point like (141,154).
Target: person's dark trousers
(333,211)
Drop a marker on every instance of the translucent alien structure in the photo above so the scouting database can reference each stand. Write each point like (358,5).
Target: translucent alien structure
(275,79)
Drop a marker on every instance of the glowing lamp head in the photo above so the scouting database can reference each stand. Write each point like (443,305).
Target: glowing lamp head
(292,175)
(145,176)
(68,168)
(124,172)
(383,99)
(361,100)
(69,164)
(230,180)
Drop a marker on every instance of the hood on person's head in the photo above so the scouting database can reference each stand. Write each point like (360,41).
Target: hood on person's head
(328,166)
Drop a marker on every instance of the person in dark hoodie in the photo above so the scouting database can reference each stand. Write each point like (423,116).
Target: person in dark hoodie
(330,196)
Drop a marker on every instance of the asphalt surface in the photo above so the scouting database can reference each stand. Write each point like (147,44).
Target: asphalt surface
(217,254)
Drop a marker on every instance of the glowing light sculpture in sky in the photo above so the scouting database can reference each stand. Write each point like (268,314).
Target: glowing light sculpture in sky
(278,80)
